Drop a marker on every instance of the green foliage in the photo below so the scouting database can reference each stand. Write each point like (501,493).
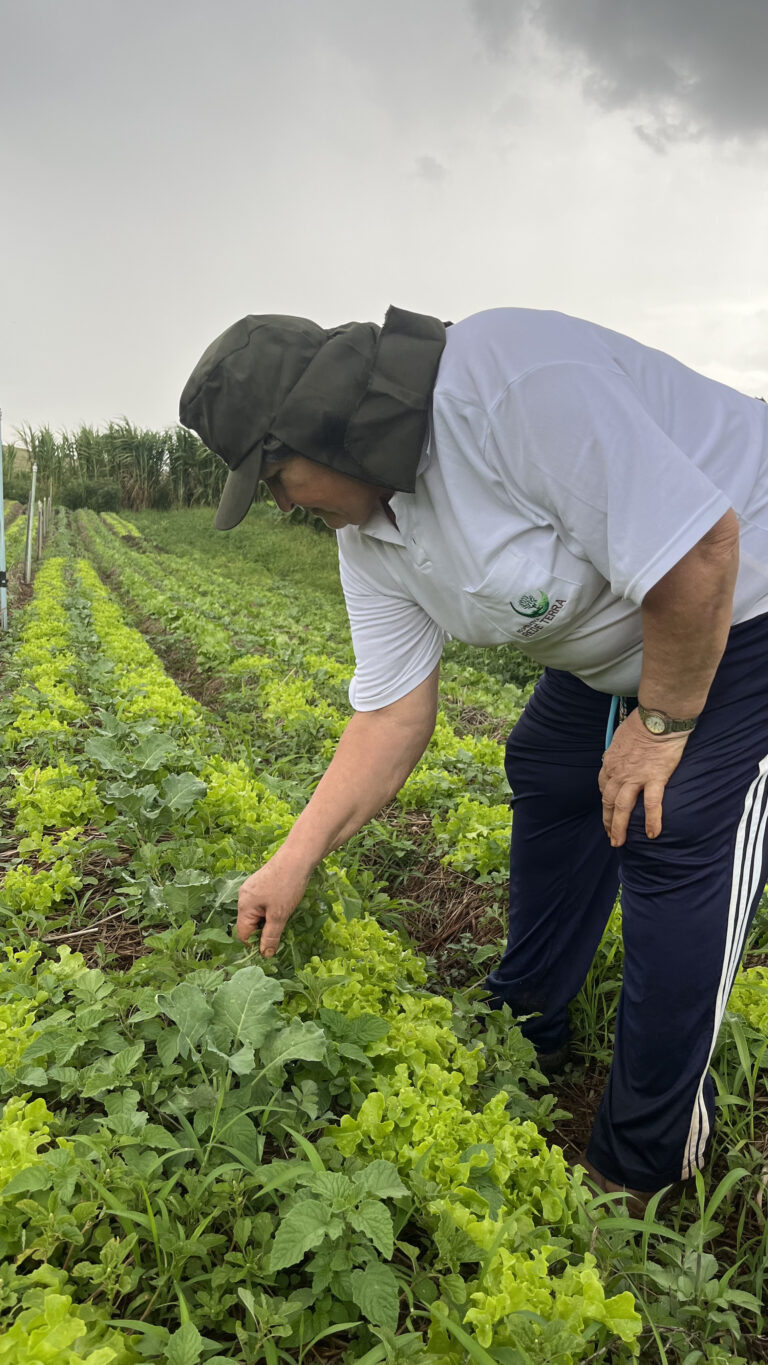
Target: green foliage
(523,1308)
(23,1130)
(749,998)
(33,891)
(477,839)
(49,1330)
(505,664)
(126,466)
(16,486)
(103,495)
(17,1018)
(120,526)
(45,701)
(53,797)
(238,1159)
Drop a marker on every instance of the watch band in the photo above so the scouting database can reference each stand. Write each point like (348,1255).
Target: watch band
(659,723)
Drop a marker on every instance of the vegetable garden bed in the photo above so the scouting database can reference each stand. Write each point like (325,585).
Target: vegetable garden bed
(336,1155)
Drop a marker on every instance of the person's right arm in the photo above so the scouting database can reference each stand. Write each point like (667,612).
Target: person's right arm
(375,755)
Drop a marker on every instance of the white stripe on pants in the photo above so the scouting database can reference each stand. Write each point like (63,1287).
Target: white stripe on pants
(744,886)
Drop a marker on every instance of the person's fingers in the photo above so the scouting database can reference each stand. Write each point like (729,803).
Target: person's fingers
(249,919)
(623,807)
(632,768)
(653,797)
(609,789)
(249,916)
(265,902)
(617,811)
(271,934)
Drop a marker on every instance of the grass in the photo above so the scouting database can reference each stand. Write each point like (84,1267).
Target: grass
(265,538)
(295,555)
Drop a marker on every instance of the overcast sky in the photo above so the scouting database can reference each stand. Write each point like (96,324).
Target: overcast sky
(170,165)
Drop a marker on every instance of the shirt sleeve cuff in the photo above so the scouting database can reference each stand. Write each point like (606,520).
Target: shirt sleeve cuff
(359,701)
(684,540)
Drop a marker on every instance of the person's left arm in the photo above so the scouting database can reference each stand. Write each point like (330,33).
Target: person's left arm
(686,618)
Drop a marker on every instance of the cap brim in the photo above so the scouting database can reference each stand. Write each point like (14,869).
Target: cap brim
(239,491)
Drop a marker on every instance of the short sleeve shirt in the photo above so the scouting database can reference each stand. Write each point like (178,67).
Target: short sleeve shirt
(567,469)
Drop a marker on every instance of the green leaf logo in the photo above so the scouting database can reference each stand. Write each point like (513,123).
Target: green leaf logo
(531,603)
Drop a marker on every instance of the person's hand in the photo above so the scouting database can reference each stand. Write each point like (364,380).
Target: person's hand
(269,896)
(636,762)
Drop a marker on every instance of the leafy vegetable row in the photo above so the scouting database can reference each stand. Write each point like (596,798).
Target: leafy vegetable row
(175,1094)
(289,690)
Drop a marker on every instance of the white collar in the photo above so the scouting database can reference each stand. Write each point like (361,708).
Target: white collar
(378,525)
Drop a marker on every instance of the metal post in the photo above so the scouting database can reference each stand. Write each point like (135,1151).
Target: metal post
(40,529)
(3,574)
(30,519)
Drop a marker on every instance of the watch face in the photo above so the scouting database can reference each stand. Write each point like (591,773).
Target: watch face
(655,724)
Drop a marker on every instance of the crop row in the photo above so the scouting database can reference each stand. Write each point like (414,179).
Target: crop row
(276,681)
(120,526)
(252,600)
(738,1060)
(205,1157)
(295,691)
(15,540)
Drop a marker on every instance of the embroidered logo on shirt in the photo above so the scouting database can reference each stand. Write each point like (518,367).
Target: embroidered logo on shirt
(534,627)
(530,604)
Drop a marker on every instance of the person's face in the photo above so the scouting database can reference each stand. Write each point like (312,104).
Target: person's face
(340,500)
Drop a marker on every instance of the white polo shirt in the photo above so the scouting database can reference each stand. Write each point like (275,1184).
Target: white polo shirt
(567,469)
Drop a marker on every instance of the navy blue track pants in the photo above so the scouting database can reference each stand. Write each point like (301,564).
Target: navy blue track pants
(688,898)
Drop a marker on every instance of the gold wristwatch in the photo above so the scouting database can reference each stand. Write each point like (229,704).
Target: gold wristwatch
(659,723)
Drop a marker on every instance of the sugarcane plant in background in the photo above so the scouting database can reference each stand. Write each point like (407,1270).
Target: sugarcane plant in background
(125,466)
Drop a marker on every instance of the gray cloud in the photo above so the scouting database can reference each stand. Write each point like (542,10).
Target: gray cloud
(687,68)
(430,169)
(169,167)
